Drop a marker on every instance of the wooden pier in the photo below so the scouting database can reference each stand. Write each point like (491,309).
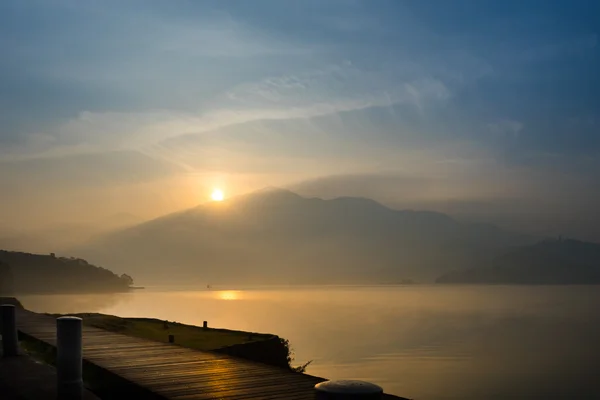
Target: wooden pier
(167,371)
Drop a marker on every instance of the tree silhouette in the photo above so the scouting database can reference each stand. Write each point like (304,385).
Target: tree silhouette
(127,278)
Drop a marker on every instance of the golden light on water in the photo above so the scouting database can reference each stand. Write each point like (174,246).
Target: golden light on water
(217,195)
(228,295)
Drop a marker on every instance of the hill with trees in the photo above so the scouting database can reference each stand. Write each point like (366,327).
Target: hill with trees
(22,273)
(548,262)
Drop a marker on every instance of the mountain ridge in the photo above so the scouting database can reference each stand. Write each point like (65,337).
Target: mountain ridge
(277,236)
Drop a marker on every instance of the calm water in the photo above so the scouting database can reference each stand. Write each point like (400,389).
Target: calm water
(422,342)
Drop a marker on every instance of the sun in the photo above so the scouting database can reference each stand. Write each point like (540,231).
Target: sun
(217,195)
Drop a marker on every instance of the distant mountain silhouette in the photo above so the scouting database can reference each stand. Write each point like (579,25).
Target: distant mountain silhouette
(548,262)
(277,236)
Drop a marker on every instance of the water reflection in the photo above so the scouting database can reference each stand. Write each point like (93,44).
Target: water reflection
(423,342)
(228,294)
(72,303)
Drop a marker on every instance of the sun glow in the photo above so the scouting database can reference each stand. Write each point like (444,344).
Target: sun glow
(217,195)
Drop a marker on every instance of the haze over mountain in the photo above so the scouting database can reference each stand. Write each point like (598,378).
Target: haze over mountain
(277,236)
(52,238)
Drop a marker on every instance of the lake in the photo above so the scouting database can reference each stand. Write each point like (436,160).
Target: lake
(420,341)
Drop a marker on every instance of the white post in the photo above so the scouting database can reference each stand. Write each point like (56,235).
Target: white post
(10,337)
(69,358)
(348,390)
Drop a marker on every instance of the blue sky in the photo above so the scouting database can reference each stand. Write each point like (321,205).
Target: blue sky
(484,109)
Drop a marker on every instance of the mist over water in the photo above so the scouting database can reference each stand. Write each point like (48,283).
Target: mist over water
(421,342)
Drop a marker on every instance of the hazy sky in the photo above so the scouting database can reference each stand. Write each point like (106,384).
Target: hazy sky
(488,110)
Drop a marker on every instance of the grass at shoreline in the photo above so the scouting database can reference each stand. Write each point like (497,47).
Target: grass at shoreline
(190,336)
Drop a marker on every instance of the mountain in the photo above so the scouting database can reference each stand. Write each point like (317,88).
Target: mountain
(276,236)
(40,273)
(547,262)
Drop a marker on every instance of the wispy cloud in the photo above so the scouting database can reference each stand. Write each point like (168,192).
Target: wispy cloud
(333,89)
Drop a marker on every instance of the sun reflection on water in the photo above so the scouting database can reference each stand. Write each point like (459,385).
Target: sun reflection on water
(228,295)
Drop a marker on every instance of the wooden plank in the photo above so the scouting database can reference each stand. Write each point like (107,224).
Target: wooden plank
(149,360)
(102,346)
(245,383)
(211,392)
(277,389)
(199,370)
(204,374)
(239,378)
(127,349)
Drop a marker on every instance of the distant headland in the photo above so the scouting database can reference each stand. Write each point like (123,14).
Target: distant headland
(549,262)
(25,273)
